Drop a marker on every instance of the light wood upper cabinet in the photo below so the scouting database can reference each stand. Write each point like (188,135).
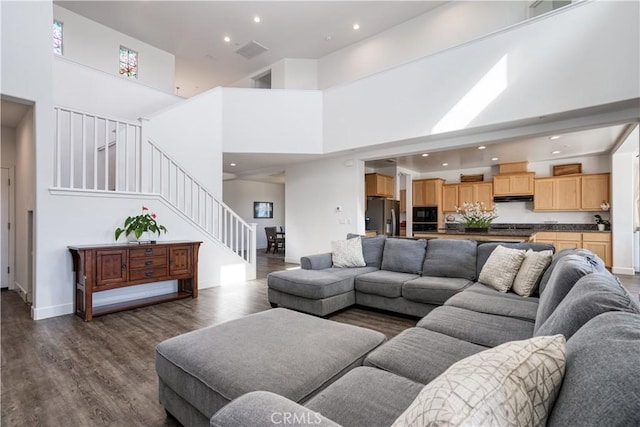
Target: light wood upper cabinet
(568,193)
(595,190)
(427,192)
(450,197)
(378,185)
(517,184)
(483,193)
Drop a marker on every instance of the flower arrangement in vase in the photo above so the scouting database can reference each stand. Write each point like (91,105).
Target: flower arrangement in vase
(476,217)
(136,226)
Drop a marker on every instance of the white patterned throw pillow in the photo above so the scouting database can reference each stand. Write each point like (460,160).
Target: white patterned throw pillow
(347,253)
(501,268)
(530,271)
(514,384)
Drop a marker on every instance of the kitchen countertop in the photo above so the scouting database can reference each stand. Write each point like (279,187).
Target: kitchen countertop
(515,232)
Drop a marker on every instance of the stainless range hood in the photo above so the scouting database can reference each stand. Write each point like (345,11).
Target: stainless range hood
(504,199)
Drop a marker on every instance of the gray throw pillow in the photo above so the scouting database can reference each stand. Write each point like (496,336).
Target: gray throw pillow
(601,385)
(372,247)
(450,258)
(594,294)
(404,255)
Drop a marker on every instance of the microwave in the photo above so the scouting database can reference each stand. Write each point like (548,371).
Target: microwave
(425,214)
(422,227)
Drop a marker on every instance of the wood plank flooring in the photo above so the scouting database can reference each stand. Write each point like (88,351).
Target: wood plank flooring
(66,372)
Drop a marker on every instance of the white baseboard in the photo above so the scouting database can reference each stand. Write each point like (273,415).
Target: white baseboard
(21,290)
(623,270)
(51,311)
(292,260)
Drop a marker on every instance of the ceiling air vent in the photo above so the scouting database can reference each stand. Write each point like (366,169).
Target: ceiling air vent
(251,50)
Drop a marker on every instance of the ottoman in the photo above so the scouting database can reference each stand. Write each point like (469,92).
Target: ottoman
(282,351)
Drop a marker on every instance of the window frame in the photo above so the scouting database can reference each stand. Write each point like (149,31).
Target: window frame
(120,62)
(56,21)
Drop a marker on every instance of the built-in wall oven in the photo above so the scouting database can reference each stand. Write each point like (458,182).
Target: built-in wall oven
(425,218)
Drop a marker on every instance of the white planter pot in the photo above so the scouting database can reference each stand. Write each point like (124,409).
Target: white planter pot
(600,227)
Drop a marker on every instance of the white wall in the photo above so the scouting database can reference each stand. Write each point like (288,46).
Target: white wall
(313,191)
(88,89)
(446,26)
(288,73)
(537,69)
(272,121)
(191,133)
(623,204)
(239,195)
(522,212)
(95,45)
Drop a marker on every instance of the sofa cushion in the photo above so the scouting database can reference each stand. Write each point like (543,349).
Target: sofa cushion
(420,354)
(513,384)
(372,248)
(403,255)
(485,249)
(314,284)
(484,329)
(501,268)
(350,272)
(365,397)
(592,295)
(601,384)
(556,259)
(566,273)
(531,271)
(485,299)
(433,290)
(382,282)
(450,258)
(347,253)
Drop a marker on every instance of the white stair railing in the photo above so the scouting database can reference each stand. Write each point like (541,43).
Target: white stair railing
(101,154)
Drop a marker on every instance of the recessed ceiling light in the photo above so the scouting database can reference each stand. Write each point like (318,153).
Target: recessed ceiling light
(554,137)
(445,164)
(425,155)
(256,19)
(556,152)
(327,38)
(227,39)
(232,164)
(482,147)
(356,26)
(494,159)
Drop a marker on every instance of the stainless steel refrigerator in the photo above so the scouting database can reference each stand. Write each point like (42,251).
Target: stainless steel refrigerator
(382,216)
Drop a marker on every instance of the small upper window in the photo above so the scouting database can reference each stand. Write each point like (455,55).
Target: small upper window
(57,37)
(128,62)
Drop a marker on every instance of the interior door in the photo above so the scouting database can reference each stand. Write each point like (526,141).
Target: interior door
(4,225)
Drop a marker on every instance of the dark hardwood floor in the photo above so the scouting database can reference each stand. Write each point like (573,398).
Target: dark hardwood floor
(66,372)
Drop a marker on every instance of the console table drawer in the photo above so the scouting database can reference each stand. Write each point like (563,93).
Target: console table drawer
(156,261)
(147,252)
(147,273)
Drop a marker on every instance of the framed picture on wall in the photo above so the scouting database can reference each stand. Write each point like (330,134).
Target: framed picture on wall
(263,209)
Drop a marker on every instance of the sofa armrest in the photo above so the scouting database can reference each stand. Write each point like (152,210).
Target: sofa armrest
(316,262)
(262,408)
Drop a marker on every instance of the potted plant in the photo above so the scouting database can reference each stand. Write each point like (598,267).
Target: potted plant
(135,226)
(602,223)
(475,217)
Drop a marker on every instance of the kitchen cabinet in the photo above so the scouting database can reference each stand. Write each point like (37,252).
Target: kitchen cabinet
(427,192)
(571,193)
(595,190)
(456,194)
(379,185)
(403,201)
(517,184)
(598,243)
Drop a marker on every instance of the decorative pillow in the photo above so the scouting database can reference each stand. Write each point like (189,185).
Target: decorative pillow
(513,384)
(451,258)
(347,253)
(372,247)
(501,268)
(530,271)
(403,255)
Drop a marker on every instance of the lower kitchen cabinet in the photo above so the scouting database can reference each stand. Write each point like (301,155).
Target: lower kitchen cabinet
(598,243)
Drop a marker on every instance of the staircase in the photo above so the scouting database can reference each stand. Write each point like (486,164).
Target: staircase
(97,154)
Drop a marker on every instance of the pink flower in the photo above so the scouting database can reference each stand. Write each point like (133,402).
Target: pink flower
(153,216)
(144,208)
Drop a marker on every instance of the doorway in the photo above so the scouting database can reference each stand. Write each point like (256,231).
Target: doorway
(7,222)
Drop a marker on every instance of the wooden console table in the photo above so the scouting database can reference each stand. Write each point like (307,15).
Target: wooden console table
(102,267)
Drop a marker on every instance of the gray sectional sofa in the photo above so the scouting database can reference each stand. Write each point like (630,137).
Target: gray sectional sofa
(578,298)
(401,275)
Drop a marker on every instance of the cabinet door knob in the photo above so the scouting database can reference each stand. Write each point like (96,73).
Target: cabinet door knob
(149,262)
(148,273)
(124,265)
(148,251)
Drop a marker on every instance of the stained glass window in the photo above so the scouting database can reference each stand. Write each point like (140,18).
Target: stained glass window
(57,37)
(128,62)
